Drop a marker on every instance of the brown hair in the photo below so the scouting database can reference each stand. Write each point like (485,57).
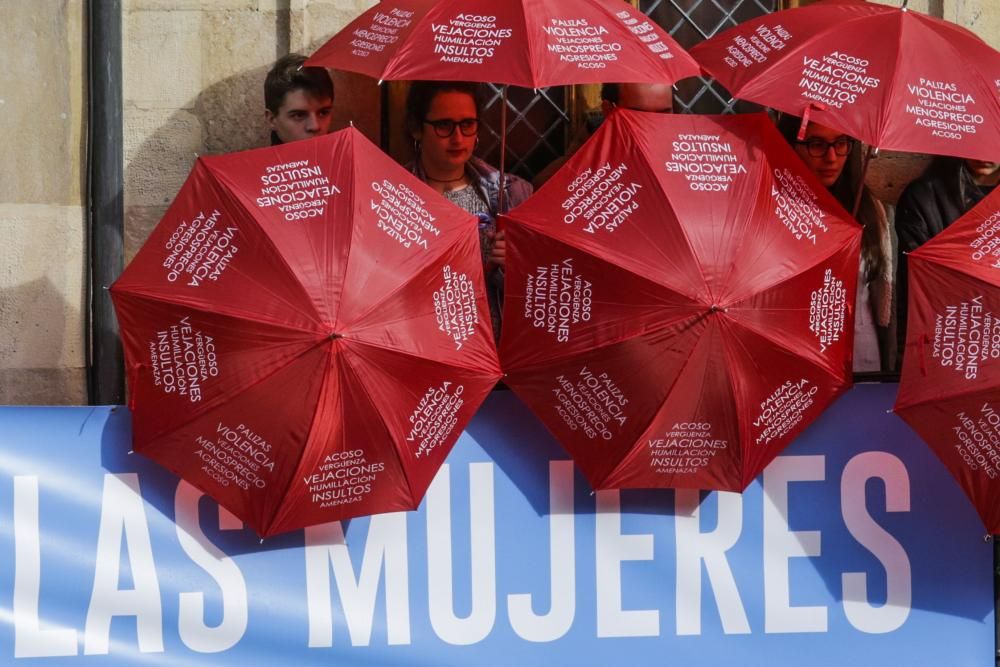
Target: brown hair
(422,93)
(288,74)
(845,190)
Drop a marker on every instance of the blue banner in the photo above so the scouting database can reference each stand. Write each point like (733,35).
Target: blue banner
(854,547)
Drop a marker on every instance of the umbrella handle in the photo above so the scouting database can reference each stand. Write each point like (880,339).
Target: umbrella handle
(503,151)
(804,125)
(869,154)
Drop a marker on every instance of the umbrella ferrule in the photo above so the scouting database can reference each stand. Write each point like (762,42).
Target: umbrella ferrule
(717,309)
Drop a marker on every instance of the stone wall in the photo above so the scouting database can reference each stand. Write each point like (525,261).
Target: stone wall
(42,198)
(193,72)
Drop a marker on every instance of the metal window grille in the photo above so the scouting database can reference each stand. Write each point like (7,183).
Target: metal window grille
(539,124)
(690,22)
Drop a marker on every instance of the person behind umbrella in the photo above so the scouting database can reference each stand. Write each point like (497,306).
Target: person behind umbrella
(298,100)
(652,97)
(442,117)
(946,190)
(835,159)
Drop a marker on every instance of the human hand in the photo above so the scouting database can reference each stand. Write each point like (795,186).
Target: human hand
(498,252)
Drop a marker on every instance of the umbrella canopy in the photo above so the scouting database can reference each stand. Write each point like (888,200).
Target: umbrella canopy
(306,332)
(950,388)
(529,43)
(894,78)
(679,300)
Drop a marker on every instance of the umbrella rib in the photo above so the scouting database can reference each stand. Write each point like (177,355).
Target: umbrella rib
(316,411)
(550,360)
(222,400)
(219,180)
(215,309)
(531,55)
(395,451)
(839,382)
(400,287)
(780,345)
(612,260)
(757,187)
(937,399)
(411,355)
(652,175)
(663,406)
(371,401)
(350,240)
(780,58)
(781,280)
(890,95)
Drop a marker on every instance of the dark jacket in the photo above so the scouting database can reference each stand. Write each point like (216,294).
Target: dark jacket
(929,204)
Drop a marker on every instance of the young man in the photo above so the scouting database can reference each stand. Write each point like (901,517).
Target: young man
(949,188)
(298,100)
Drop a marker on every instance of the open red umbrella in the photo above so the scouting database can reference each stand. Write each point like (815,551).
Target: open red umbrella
(950,388)
(526,43)
(306,333)
(895,78)
(679,300)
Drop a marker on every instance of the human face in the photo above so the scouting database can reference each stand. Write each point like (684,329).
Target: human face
(829,165)
(301,116)
(656,97)
(984,173)
(445,157)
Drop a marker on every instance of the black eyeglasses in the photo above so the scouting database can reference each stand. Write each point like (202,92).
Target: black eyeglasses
(817,147)
(445,127)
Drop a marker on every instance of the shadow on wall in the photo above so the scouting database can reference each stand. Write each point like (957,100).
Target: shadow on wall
(34,318)
(225,117)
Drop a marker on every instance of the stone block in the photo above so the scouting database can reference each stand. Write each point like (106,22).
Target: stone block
(187,5)
(42,278)
(890,172)
(41,101)
(162,57)
(239,48)
(160,148)
(979,16)
(43,386)
(319,21)
(139,223)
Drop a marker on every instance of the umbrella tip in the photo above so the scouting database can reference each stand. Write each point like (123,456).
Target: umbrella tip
(987,538)
(261,541)
(131,452)
(890,411)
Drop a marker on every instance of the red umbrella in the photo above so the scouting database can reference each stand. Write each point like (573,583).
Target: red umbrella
(306,333)
(892,77)
(525,43)
(950,388)
(679,300)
